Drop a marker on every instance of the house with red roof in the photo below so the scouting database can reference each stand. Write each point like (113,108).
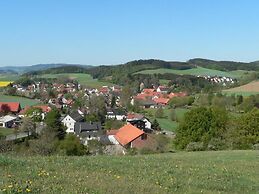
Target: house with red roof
(13,107)
(128,134)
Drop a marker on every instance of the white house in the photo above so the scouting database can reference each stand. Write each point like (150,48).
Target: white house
(70,120)
(7,121)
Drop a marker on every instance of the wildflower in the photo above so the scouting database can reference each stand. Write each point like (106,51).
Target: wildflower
(10,186)
(28,190)
(118,177)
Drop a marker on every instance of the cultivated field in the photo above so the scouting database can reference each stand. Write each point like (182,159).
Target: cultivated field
(196,172)
(82,78)
(248,89)
(4,83)
(23,101)
(198,71)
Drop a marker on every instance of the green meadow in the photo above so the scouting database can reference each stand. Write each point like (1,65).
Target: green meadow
(23,101)
(165,122)
(223,172)
(198,71)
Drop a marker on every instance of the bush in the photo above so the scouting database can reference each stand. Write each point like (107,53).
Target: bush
(132,151)
(159,113)
(195,146)
(45,145)
(95,147)
(256,146)
(216,144)
(72,146)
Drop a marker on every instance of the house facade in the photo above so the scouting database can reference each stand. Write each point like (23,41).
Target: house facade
(70,120)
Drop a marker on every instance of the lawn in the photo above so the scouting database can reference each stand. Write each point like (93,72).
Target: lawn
(166,123)
(194,172)
(197,71)
(23,101)
(5,131)
(84,79)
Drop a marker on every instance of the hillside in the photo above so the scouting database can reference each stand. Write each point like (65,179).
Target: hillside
(247,89)
(195,172)
(225,65)
(198,71)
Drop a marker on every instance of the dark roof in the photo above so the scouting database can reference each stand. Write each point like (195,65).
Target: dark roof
(76,116)
(88,128)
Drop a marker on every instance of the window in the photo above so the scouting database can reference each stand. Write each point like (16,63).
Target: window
(144,136)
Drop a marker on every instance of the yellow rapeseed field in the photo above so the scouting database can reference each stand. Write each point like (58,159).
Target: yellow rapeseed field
(4,83)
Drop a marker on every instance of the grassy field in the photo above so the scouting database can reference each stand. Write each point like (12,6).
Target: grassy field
(23,101)
(5,131)
(198,71)
(8,77)
(84,79)
(166,123)
(245,90)
(196,172)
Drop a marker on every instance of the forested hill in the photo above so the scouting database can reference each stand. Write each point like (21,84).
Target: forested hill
(62,69)
(129,68)
(225,65)
(135,66)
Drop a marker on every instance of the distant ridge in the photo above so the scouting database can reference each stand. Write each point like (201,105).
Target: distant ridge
(38,67)
(132,67)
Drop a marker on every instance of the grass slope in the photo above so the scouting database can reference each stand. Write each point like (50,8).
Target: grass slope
(245,90)
(82,78)
(197,172)
(198,71)
(23,101)
(6,131)
(166,123)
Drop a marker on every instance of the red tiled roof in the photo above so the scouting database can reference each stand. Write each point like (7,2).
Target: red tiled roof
(13,106)
(44,108)
(127,134)
(161,100)
(146,90)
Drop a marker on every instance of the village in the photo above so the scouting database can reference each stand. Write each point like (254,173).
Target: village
(127,129)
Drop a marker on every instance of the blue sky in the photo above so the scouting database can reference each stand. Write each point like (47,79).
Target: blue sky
(97,32)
